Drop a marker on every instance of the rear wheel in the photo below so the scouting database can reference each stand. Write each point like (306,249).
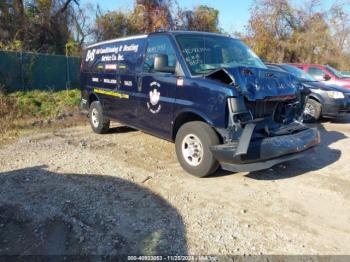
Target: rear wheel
(99,123)
(192,144)
(312,111)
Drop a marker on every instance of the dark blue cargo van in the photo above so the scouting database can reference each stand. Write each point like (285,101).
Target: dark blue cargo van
(208,93)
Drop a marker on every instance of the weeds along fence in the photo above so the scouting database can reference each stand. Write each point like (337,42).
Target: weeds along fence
(21,71)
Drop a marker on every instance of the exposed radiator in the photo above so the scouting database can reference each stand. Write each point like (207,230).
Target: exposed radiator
(261,109)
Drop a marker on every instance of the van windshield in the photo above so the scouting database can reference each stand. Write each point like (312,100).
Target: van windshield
(204,53)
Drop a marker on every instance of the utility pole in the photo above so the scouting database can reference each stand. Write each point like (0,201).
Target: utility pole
(67,69)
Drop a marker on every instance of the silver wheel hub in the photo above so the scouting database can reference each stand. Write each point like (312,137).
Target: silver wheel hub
(309,111)
(94,117)
(192,150)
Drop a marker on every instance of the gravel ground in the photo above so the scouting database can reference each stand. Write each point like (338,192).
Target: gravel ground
(69,191)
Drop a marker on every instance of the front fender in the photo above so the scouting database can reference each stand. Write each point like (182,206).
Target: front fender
(316,96)
(185,110)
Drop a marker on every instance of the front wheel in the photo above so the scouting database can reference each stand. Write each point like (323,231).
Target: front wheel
(312,111)
(192,144)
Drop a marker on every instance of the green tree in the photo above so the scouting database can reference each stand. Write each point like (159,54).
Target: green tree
(201,18)
(280,31)
(111,25)
(145,17)
(39,25)
(150,15)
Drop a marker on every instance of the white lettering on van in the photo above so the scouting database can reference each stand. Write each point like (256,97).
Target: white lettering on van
(131,48)
(90,55)
(111,58)
(111,53)
(120,57)
(107,50)
(110,81)
(95,79)
(128,83)
(117,49)
(156,49)
(108,58)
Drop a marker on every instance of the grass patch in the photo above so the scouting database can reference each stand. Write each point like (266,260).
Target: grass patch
(19,109)
(44,103)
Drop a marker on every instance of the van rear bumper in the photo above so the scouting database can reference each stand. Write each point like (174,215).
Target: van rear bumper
(267,152)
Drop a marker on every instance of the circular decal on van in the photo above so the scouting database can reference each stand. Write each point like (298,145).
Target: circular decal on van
(154,96)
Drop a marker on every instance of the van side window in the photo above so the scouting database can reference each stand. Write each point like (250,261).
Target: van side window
(158,46)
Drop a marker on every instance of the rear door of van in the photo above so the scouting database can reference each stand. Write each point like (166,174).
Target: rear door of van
(92,69)
(98,80)
(113,76)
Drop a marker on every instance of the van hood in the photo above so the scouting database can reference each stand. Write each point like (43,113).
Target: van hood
(258,83)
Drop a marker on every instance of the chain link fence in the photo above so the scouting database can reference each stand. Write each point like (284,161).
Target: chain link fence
(28,71)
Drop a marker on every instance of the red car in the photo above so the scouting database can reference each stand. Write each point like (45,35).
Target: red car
(325,73)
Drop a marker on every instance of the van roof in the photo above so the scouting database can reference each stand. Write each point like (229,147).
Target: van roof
(175,32)
(118,40)
(181,32)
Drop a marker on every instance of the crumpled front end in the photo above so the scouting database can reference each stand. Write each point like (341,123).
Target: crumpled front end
(264,122)
(263,153)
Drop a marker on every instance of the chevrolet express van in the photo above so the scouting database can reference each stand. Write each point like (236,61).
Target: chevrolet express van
(208,93)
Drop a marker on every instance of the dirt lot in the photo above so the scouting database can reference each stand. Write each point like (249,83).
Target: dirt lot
(70,191)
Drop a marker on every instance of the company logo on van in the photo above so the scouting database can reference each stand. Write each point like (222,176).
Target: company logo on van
(154,97)
(109,54)
(90,55)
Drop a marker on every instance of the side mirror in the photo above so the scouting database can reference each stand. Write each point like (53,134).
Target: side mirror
(161,64)
(326,77)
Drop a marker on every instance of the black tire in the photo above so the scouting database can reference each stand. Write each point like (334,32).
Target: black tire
(314,111)
(102,124)
(207,137)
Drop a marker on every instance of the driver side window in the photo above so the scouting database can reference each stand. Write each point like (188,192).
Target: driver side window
(158,46)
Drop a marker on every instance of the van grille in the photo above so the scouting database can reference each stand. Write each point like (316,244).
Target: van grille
(261,109)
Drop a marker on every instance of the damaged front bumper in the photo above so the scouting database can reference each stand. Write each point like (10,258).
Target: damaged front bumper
(264,153)
(263,127)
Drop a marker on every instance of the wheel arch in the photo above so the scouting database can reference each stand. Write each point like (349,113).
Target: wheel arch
(315,97)
(92,98)
(189,116)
